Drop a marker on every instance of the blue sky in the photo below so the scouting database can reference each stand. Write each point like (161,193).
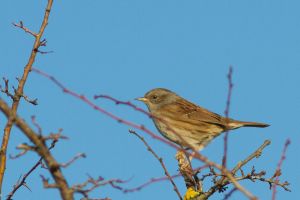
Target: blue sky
(125,48)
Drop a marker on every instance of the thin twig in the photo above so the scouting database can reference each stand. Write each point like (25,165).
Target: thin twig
(160,161)
(95,183)
(23,180)
(27,30)
(155,180)
(226,112)
(279,166)
(34,122)
(6,89)
(25,148)
(255,154)
(228,195)
(80,155)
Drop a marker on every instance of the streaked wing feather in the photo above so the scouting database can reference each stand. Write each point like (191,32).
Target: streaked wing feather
(186,110)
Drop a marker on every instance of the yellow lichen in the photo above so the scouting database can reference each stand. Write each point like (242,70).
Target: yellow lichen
(190,194)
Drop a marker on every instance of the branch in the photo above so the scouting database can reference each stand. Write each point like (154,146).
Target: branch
(25,148)
(19,91)
(43,151)
(95,183)
(278,170)
(255,154)
(47,184)
(226,112)
(228,195)
(23,180)
(80,155)
(27,30)
(160,161)
(260,176)
(155,180)
(39,128)
(5,90)
(225,181)
(196,154)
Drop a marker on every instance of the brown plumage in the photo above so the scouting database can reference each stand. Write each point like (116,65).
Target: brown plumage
(183,122)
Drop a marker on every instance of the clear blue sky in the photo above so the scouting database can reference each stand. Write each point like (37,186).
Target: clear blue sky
(124,48)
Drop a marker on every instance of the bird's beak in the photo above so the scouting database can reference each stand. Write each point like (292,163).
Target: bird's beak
(143,99)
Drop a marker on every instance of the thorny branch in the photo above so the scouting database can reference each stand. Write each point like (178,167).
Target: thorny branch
(23,180)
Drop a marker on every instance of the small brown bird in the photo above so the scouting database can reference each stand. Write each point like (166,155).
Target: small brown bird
(185,123)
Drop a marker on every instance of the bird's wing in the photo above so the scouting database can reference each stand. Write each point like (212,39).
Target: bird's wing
(187,110)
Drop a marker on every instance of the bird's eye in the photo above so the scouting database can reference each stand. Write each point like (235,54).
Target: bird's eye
(154,97)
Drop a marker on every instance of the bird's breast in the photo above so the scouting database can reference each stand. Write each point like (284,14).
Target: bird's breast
(180,131)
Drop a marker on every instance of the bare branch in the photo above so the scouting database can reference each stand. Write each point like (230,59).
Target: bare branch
(80,155)
(278,170)
(160,160)
(25,148)
(226,112)
(19,91)
(43,151)
(39,128)
(220,185)
(32,101)
(196,155)
(55,136)
(228,195)
(224,180)
(27,30)
(96,183)
(155,180)
(5,90)
(255,154)
(23,180)
(47,184)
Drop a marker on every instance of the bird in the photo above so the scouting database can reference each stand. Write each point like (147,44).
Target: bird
(185,123)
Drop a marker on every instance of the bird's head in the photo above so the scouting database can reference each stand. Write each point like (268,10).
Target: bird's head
(158,97)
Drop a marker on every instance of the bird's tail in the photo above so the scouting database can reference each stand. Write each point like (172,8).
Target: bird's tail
(237,124)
